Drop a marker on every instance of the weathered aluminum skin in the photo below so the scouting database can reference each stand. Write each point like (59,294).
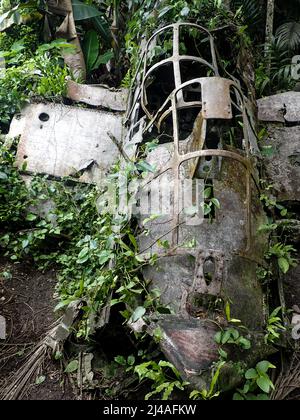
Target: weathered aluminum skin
(65,141)
(228,247)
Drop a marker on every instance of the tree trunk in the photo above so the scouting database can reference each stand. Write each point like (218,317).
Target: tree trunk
(269,25)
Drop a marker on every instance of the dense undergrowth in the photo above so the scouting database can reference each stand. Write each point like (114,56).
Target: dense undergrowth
(96,254)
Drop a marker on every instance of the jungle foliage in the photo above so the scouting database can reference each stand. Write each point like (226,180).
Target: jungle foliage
(96,255)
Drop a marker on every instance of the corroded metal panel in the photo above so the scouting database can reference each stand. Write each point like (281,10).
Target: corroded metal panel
(283,107)
(216,88)
(205,131)
(66,141)
(98,96)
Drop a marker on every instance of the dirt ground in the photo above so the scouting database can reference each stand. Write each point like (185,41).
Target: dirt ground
(26,303)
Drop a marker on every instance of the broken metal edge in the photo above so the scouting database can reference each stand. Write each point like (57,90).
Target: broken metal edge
(98,96)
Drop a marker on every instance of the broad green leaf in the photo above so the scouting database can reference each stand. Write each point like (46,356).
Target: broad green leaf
(264,384)
(91,48)
(264,366)
(165,10)
(31,217)
(10,18)
(234,333)
(251,374)
(105,256)
(216,203)
(72,366)
(207,193)
(226,337)
(223,353)
(103,59)
(25,243)
(103,29)
(131,360)
(284,265)
(218,337)
(83,256)
(191,211)
(84,11)
(138,313)
(244,343)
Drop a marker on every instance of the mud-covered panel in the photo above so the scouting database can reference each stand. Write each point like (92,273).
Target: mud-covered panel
(283,167)
(242,288)
(172,276)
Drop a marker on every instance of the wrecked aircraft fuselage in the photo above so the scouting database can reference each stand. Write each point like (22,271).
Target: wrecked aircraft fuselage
(207,257)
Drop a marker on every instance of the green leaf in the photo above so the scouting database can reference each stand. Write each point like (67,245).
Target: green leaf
(238,397)
(145,167)
(234,333)
(216,203)
(91,48)
(83,255)
(10,18)
(284,265)
(218,337)
(206,209)
(264,384)
(244,343)
(84,11)
(165,10)
(223,354)
(25,243)
(264,366)
(228,311)
(207,193)
(131,360)
(31,217)
(3,175)
(226,337)
(102,27)
(103,59)
(138,313)
(72,367)
(185,11)
(133,241)
(120,360)
(251,374)
(105,256)
(40,380)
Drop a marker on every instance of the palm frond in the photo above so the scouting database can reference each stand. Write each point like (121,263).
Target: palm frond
(288,35)
(251,12)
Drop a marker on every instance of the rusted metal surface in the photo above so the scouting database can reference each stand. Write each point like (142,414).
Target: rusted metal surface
(98,96)
(205,132)
(66,141)
(190,346)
